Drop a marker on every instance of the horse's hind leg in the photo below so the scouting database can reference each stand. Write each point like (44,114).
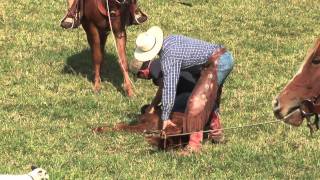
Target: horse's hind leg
(96,41)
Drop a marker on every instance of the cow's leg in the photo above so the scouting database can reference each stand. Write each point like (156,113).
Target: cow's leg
(95,42)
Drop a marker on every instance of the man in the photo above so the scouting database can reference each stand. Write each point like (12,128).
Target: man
(72,18)
(179,54)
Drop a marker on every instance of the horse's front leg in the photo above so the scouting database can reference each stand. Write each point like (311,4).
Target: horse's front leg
(121,39)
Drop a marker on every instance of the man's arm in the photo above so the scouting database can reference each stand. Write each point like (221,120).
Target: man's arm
(157,99)
(171,73)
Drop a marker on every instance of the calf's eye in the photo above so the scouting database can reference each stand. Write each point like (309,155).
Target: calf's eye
(316,60)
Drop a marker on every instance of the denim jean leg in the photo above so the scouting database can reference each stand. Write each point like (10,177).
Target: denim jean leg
(225,66)
(181,101)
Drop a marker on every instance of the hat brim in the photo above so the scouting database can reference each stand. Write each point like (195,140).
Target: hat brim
(149,55)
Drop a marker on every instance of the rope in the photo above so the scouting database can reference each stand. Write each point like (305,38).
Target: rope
(120,2)
(183,3)
(230,128)
(114,39)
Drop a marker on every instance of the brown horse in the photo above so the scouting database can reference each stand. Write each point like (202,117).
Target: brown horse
(96,25)
(304,85)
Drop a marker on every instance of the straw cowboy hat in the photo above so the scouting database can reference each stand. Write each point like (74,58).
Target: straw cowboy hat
(148,44)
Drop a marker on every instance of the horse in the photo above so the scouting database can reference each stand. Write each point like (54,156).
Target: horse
(95,22)
(301,96)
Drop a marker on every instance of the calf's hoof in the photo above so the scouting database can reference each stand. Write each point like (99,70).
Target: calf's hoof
(100,129)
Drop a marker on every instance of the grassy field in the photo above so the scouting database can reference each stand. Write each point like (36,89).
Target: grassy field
(47,106)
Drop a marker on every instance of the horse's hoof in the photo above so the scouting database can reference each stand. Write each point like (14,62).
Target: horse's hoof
(130,94)
(96,90)
(128,90)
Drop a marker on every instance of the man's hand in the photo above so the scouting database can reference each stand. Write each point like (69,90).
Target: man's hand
(166,123)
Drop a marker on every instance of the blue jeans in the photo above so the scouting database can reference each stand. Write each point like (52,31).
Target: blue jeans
(225,66)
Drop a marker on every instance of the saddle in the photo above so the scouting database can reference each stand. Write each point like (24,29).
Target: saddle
(136,16)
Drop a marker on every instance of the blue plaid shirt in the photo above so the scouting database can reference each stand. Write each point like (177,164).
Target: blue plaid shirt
(180,52)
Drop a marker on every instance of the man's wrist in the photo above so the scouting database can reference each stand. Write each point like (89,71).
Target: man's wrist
(164,116)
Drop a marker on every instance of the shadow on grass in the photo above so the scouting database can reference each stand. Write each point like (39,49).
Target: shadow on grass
(81,64)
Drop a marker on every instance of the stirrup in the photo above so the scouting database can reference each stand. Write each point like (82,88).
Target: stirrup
(139,17)
(73,23)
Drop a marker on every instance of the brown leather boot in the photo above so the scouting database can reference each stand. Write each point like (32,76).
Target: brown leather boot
(216,135)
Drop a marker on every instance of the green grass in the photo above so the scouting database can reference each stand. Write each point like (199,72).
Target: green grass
(47,106)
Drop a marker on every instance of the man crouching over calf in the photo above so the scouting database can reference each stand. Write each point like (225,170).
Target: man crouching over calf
(190,74)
